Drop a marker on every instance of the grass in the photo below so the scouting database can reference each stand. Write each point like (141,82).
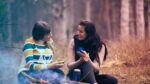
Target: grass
(129,61)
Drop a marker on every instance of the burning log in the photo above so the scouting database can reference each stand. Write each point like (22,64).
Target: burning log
(36,81)
(33,80)
(72,82)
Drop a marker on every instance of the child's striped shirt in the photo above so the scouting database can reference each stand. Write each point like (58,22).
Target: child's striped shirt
(36,56)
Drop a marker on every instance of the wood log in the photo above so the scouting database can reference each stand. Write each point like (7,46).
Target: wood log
(33,80)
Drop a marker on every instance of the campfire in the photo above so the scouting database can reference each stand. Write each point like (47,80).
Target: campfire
(41,81)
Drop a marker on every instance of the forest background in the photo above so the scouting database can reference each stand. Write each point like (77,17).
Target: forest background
(124,25)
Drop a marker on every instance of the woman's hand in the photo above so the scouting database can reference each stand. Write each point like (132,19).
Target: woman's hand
(84,55)
(55,65)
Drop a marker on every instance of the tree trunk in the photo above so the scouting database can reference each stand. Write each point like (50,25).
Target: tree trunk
(115,19)
(107,18)
(132,20)
(9,24)
(140,19)
(88,10)
(124,19)
(60,26)
(70,19)
(148,32)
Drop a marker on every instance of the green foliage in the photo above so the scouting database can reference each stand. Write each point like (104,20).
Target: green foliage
(2,6)
(3,14)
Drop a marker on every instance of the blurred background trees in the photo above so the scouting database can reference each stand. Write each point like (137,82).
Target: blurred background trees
(114,19)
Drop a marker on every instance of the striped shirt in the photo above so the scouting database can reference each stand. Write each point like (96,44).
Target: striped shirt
(36,56)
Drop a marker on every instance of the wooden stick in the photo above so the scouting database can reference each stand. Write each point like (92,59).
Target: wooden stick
(35,80)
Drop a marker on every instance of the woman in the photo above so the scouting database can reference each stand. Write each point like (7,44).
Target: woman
(38,57)
(86,52)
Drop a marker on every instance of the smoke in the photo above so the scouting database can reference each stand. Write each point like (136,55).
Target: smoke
(53,76)
(10,59)
(9,62)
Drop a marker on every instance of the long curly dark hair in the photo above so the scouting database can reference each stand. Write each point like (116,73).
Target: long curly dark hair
(92,43)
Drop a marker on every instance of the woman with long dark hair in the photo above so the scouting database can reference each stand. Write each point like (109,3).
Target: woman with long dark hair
(86,52)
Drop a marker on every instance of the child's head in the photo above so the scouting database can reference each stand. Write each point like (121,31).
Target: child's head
(41,31)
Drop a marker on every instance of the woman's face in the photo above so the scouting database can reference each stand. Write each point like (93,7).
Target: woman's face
(47,37)
(81,32)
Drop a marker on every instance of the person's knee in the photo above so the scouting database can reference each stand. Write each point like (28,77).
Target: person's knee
(106,79)
(115,81)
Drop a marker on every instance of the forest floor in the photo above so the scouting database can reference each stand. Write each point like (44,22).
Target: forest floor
(129,74)
(128,61)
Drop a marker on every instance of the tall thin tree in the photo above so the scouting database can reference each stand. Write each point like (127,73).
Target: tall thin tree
(124,19)
(132,19)
(148,19)
(88,9)
(140,19)
(107,18)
